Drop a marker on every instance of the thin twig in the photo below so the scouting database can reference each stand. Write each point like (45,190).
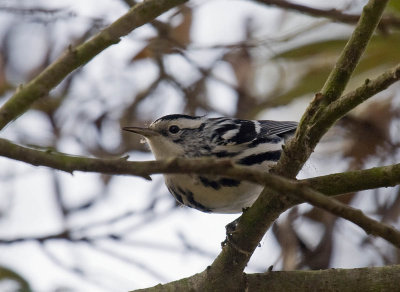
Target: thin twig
(356,216)
(370,87)
(333,14)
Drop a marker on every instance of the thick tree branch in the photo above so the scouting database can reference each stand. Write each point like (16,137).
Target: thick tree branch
(253,224)
(333,14)
(301,189)
(383,279)
(354,181)
(26,95)
(311,129)
(364,279)
(331,185)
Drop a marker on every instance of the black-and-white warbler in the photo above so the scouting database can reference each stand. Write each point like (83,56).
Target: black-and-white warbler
(257,144)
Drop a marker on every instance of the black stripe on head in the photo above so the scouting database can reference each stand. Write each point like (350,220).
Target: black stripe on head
(175,117)
(260,158)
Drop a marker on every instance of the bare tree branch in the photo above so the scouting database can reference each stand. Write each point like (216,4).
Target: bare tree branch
(270,204)
(311,129)
(31,10)
(321,118)
(356,216)
(331,185)
(61,235)
(384,279)
(352,99)
(282,185)
(333,14)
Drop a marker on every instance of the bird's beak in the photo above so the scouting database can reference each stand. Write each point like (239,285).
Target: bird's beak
(145,132)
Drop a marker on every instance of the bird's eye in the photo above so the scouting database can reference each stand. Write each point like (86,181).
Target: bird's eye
(173,129)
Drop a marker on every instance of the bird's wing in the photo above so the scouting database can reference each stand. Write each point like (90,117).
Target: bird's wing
(276,127)
(240,132)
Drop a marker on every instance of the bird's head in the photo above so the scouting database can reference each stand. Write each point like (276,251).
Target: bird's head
(173,136)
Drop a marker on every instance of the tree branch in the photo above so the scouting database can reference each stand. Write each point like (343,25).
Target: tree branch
(310,134)
(331,185)
(73,58)
(354,181)
(311,129)
(384,279)
(356,216)
(346,103)
(253,224)
(301,190)
(62,235)
(364,279)
(333,14)
(7,274)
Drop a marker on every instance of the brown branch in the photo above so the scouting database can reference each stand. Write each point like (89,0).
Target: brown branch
(344,280)
(383,279)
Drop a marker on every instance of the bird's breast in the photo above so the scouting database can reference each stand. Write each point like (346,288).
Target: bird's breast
(211,193)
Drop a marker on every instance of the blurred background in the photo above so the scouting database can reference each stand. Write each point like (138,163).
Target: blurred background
(246,59)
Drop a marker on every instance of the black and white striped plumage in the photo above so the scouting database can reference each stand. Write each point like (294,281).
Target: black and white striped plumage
(256,144)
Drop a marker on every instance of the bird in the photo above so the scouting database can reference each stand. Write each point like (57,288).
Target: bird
(253,143)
